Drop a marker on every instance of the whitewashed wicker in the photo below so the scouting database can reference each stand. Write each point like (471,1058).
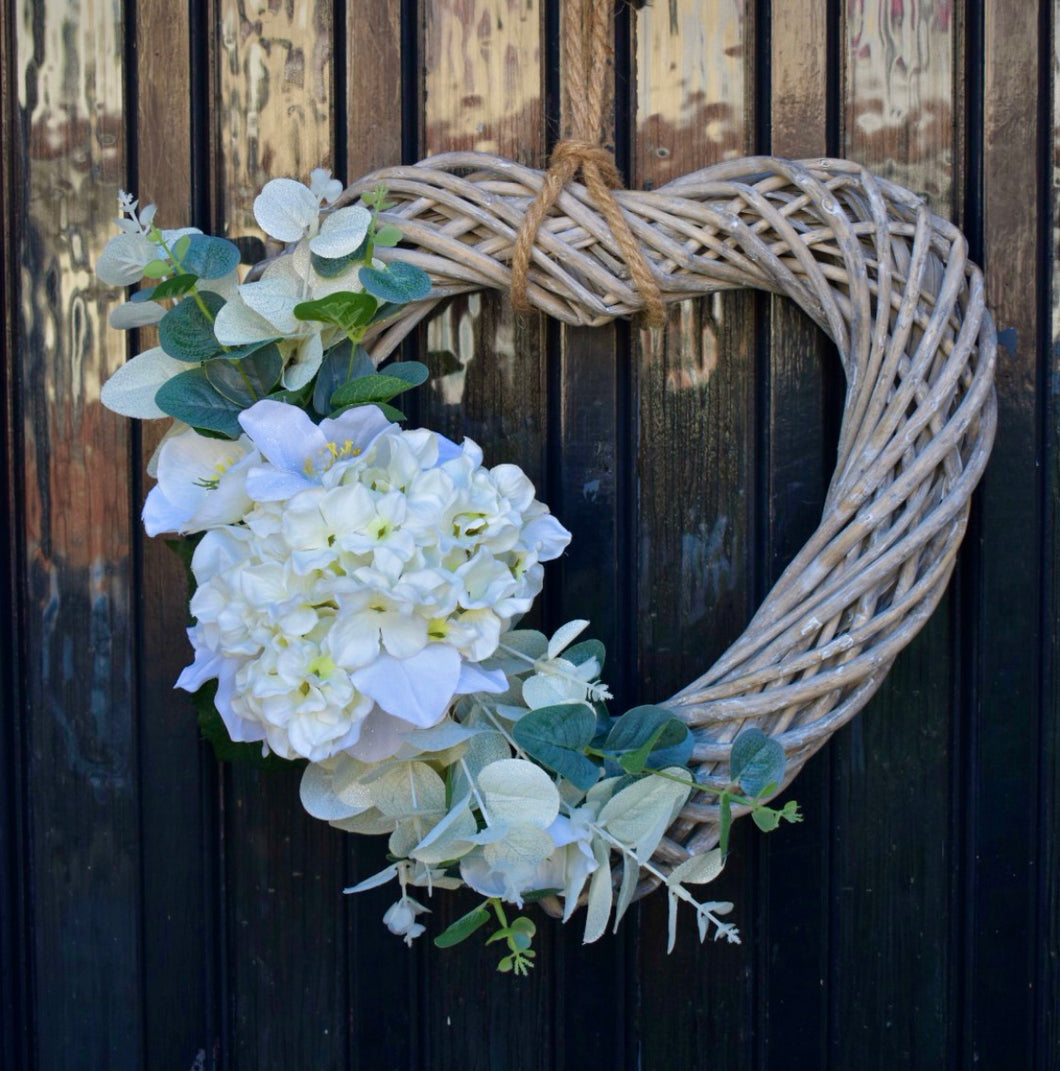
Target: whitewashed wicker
(888,281)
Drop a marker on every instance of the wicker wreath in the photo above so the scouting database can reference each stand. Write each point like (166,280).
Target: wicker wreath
(889,283)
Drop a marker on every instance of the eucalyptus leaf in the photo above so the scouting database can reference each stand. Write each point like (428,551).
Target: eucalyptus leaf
(330,267)
(556,737)
(174,286)
(600,895)
(186,332)
(398,282)
(388,235)
(586,651)
(698,870)
(755,761)
(373,388)
(463,928)
(412,372)
(766,818)
(209,257)
(245,381)
(346,309)
(341,363)
(191,397)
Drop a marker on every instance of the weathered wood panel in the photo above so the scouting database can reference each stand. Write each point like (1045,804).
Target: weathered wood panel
(483,65)
(897,113)
(696,383)
(796,444)
(74,476)
(160,912)
(1002,918)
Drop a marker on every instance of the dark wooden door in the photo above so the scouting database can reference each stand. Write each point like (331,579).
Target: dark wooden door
(157,911)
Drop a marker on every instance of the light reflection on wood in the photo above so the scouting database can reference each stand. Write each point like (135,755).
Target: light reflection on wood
(275,98)
(484,77)
(691,87)
(899,97)
(70,90)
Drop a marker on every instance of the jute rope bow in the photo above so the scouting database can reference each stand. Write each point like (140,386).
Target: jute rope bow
(587,48)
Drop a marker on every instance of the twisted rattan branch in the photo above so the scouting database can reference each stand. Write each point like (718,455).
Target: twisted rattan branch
(888,281)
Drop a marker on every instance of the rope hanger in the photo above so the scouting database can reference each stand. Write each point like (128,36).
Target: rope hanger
(587,50)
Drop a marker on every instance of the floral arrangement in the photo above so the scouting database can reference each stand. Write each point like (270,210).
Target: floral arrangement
(357,584)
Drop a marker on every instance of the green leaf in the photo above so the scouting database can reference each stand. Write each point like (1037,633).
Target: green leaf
(173,287)
(398,282)
(345,309)
(755,761)
(186,334)
(157,269)
(766,818)
(649,736)
(724,824)
(412,372)
(192,398)
(585,651)
(463,928)
(388,235)
(208,257)
(245,381)
(181,246)
(556,737)
(373,388)
(330,267)
(341,363)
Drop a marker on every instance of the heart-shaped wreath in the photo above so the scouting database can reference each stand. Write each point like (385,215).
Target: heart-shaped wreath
(356,584)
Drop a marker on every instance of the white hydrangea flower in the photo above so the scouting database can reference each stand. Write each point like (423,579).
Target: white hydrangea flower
(375,567)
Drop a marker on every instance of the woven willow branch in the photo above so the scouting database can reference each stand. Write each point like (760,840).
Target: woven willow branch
(888,281)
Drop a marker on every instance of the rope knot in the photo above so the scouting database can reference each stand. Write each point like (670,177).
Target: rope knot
(587,65)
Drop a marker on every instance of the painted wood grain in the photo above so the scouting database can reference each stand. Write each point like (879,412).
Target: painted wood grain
(898,97)
(285,921)
(83,829)
(1002,913)
(695,387)
(1048,966)
(178,775)
(16,1004)
(797,443)
(483,89)
(384,1003)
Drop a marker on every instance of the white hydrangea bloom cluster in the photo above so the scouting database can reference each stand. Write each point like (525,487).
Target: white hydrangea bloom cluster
(373,570)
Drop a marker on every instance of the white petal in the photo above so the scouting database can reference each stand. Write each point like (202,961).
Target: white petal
(417,689)
(131,390)
(341,232)
(286,209)
(283,433)
(473,678)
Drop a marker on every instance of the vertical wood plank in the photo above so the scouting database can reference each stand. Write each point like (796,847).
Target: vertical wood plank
(16,1026)
(81,770)
(597,1017)
(384,1003)
(483,64)
(695,385)
(1048,966)
(1002,805)
(181,958)
(893,994)
(792,1018)
(285,871)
